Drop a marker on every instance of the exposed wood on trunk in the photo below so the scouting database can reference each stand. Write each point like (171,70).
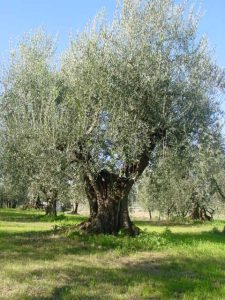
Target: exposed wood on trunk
(91,195)
(51,198)
(50,209)
(107,192)
(202,213)
(108,198)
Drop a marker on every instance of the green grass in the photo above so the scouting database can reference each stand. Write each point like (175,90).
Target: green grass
(164,262)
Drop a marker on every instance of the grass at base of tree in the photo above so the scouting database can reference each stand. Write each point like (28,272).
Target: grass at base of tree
(164,262)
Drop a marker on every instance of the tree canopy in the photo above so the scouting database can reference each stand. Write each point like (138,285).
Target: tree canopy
(121,89)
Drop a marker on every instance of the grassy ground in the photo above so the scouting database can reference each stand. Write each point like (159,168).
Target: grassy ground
(173,262)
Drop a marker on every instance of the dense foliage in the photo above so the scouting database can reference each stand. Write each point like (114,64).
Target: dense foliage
(121,90)
(186,182)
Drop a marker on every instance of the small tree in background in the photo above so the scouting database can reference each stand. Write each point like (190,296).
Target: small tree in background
(186,181)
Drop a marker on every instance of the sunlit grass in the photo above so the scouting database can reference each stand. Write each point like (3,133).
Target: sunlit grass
(164,262)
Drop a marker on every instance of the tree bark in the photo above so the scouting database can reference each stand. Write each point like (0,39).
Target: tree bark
(201,213)
(13,204)
(38,204)
(169,209)
(75,208)
(108,198)
(195,215)
(50,209)
(51,199)
(107,193)
(92,196)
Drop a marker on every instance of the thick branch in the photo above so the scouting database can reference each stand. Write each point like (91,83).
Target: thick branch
(135,170)
(219,189)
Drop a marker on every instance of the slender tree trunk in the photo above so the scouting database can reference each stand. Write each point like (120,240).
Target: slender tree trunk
(169,210)
(75,208)
(108,198)
(13,203)
(168,214)
(150,214)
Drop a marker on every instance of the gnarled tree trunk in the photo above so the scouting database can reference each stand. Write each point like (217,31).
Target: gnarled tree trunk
(201,213)
(38,204)
(108,198)
(50,209)
(51,203)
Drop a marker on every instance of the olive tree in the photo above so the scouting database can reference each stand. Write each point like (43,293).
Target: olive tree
(128,86)
(30,119)
(186,181)
(207,169)
(122,88)
(166,187)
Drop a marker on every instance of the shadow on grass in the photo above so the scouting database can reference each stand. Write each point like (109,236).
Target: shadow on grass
(43,245)
(29,216)
(11,215)
(164,278)
(40,246)
(72,273)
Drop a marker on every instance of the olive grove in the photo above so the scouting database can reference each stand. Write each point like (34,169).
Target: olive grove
(186,182)
(122,89)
